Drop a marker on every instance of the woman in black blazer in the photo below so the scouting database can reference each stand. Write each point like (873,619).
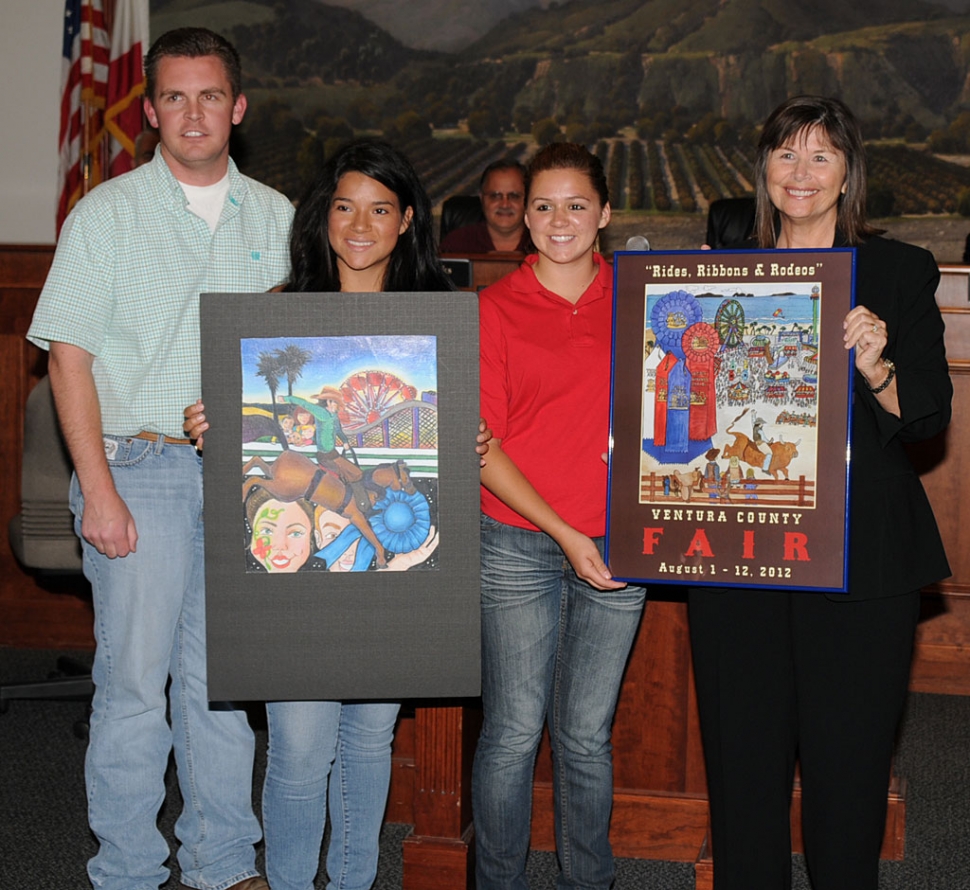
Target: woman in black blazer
(822,678)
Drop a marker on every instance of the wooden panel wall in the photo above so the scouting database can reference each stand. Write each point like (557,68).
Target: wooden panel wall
(942,659)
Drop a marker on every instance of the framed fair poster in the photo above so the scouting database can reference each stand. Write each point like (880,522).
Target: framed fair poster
(730,418)
(341,495)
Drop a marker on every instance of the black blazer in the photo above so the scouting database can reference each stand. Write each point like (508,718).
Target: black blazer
(894,543)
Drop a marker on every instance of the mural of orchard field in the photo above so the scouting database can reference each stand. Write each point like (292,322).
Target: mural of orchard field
(668,93)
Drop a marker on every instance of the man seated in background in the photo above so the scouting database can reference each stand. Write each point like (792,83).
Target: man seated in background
(502,192)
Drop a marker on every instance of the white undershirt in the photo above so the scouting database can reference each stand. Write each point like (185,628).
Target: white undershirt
(206,201)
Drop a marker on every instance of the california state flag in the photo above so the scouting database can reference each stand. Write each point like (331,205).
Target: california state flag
(126,82)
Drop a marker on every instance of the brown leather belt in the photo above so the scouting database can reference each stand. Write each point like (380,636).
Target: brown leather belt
(166,440)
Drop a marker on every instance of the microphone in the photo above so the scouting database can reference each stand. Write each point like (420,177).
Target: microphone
(637,242)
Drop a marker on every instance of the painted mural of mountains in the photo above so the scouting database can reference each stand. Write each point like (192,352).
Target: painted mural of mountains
(719,26)
(665,91)
(735,59)
(739,58)
(449,25)
(302,39)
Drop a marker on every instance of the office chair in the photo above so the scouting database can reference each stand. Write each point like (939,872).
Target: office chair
(42,537)
(729,221)
(458,211)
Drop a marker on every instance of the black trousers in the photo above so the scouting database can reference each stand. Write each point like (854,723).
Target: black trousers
(786,675)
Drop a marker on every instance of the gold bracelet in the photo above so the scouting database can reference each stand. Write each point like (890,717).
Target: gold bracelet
(891,368)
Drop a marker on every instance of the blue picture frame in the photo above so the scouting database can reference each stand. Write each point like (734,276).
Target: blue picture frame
(730,418)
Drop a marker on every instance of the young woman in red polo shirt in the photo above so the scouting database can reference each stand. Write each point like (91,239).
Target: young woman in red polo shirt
(556,628)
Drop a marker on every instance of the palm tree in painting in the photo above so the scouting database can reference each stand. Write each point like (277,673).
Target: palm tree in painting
(292,358)
(270,367)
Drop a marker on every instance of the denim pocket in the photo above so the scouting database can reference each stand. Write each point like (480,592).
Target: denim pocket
(75,500)
(124,451)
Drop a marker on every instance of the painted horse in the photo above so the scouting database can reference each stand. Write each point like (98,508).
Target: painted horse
(293,476)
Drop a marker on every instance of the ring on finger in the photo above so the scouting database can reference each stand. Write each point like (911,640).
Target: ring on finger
(875,328)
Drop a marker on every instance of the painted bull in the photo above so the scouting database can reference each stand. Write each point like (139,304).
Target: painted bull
(774,461)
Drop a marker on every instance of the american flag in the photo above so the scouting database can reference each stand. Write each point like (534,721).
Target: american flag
(84,80)
(126,82)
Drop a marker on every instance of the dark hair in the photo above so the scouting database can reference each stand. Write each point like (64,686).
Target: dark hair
(569,156)
(193,43)
(414,264)
(501,164)
(787,121)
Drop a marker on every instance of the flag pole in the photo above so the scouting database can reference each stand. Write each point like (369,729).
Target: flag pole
(86,154)
(104,140)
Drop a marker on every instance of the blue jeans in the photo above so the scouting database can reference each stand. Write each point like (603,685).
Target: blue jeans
(309,741)
(149,625)
(553,650)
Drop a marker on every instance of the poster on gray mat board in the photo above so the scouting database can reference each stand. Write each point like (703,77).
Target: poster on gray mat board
(341,495)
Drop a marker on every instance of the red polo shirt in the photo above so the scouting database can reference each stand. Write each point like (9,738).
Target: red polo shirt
(545,380)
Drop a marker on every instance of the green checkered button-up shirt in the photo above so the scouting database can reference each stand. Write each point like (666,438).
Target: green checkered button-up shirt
(125,283)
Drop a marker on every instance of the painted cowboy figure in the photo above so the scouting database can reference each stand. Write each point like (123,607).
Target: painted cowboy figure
(325,409)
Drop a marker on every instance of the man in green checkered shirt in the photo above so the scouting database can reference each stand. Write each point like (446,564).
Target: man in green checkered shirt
(119,313)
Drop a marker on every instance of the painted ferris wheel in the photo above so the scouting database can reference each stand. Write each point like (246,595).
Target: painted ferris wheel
(370,395)
(729,323)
